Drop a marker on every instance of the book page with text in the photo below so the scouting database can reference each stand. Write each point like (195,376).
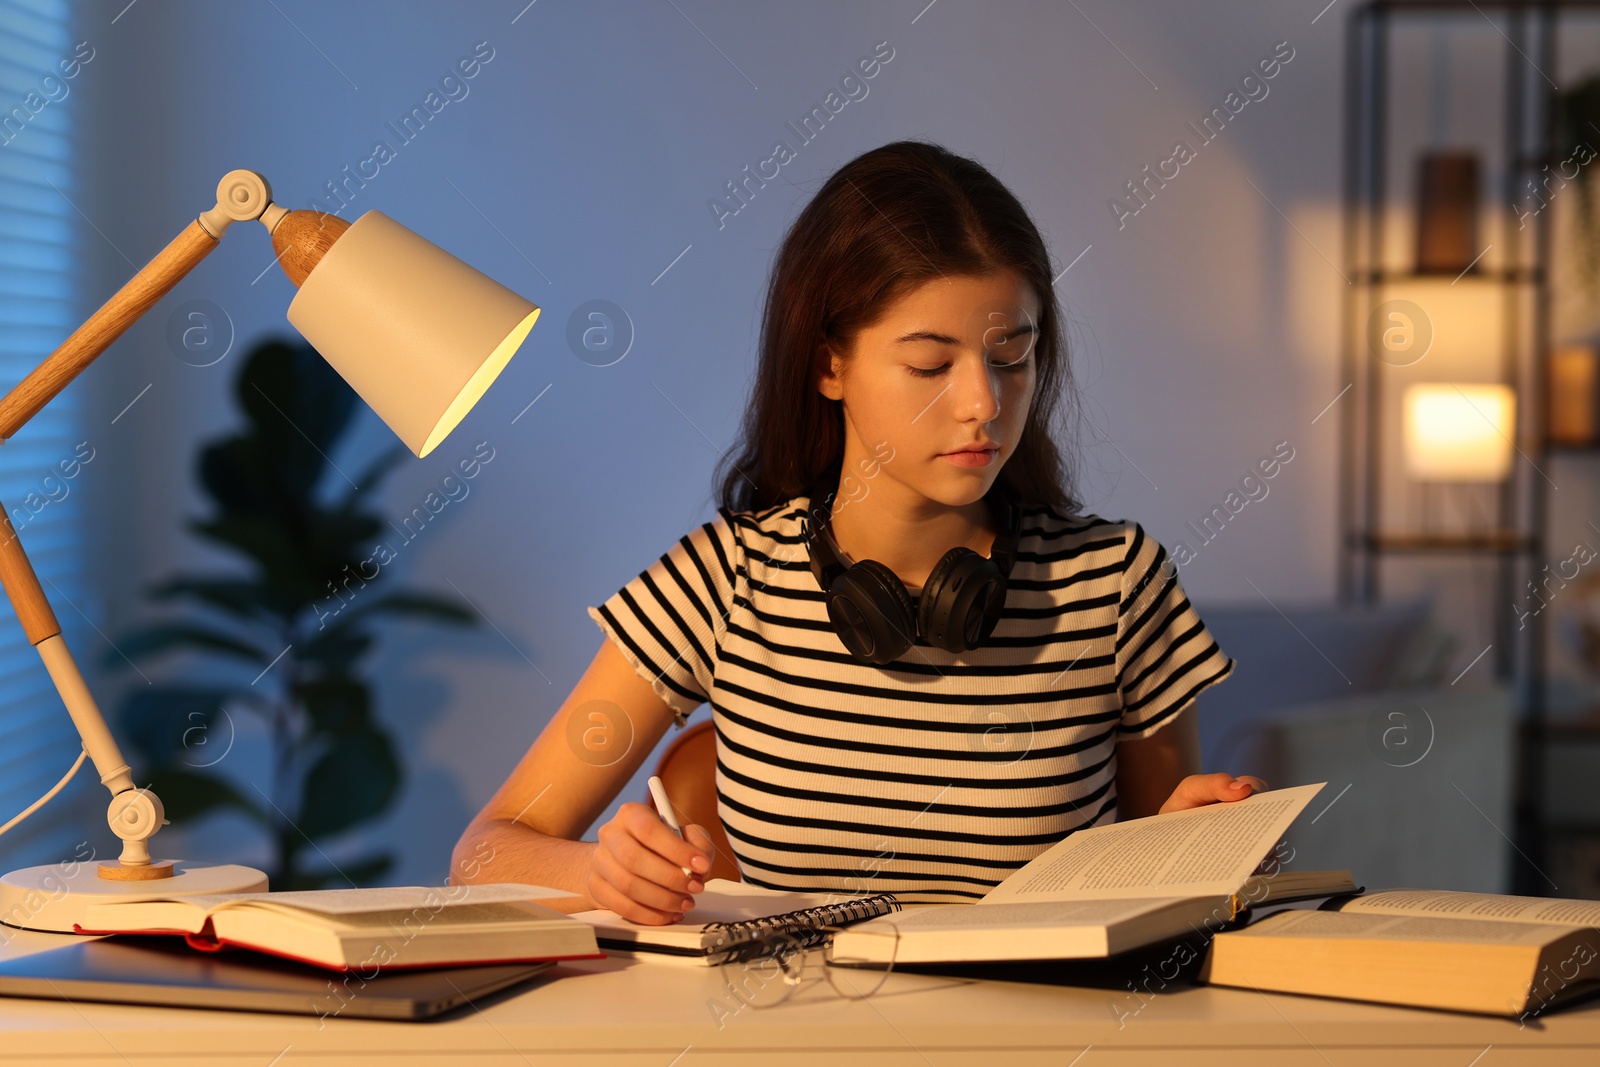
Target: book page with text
(1205,851)
(1048,914)
(1564,912)
(382,898)
(1337,926)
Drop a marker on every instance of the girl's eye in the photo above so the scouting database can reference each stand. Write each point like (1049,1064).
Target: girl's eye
(931,372)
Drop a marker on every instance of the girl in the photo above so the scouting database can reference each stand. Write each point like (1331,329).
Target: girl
(893,710)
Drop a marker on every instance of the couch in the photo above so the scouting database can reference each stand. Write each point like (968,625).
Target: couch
(1419,766)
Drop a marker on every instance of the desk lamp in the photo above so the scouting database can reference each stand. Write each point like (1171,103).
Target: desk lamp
(417,333)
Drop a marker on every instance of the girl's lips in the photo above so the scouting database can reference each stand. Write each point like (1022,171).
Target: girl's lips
(971,459)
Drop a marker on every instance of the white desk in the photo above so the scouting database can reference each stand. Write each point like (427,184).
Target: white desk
(608,1013)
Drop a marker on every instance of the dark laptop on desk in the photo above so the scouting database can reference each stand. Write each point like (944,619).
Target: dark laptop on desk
(131,969)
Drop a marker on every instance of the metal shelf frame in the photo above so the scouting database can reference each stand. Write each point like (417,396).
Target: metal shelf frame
(1518,543)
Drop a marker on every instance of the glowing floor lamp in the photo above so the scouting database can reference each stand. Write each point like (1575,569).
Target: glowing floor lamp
(417,333)
(1458,432)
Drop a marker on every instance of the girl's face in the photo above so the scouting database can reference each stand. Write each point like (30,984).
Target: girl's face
(948,366)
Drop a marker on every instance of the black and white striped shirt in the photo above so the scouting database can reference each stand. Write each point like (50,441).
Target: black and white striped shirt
(936,775)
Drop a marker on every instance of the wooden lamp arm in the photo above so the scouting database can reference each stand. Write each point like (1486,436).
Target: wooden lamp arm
(241,195)
(135,813)
(85,344)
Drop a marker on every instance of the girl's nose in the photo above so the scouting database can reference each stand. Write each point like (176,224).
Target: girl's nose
(979,391)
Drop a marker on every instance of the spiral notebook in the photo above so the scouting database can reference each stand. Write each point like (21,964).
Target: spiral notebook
(732,918)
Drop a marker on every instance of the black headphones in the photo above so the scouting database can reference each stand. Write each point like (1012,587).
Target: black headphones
(871,610)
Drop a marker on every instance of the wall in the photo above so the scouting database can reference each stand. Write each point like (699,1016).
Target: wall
(579,166)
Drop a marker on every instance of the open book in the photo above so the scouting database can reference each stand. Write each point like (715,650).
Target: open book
(343,929)
(1106,889)
(1431,948)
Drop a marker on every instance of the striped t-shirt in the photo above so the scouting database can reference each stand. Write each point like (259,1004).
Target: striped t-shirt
(936,775)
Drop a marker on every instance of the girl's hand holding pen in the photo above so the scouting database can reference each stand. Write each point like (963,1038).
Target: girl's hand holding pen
(645,871)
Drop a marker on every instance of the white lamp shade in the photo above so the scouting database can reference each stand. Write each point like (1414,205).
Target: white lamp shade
(1459,432)
(417,333)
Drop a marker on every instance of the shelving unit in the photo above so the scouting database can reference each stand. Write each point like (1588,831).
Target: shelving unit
(1516,541)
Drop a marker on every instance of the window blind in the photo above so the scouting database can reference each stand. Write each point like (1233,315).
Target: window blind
(39,260)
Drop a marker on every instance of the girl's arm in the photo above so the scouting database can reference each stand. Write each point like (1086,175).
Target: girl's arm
(1161,772)
(528,831)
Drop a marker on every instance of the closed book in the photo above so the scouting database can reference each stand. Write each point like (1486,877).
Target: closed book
(390,928)
(1432,948)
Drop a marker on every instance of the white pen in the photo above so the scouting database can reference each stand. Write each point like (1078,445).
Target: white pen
(658,793)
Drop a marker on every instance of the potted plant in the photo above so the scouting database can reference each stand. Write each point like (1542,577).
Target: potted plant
(334,765)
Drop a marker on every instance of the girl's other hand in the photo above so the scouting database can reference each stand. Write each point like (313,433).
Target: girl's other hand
(636,868)
(1198,790)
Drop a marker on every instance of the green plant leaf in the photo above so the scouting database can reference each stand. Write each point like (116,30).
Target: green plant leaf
(335,705)
(239,597)
(334,538)
(160,638)
(236,472)
(268,543)
(335,649)
(422,605)
(354,780)
(299,407)
(176,724)
(302,564)
(187,795)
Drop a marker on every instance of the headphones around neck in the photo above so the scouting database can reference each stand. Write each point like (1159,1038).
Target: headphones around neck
(876,617)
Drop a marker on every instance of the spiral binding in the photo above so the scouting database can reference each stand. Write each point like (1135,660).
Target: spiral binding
(804,928)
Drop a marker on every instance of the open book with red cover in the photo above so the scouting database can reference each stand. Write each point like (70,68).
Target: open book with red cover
(358,929)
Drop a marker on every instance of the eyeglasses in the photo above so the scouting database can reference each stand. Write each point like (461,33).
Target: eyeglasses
(766,969)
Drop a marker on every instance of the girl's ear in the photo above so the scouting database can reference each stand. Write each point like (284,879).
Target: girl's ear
(829,382)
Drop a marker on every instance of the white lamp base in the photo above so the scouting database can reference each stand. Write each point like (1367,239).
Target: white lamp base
(48,898)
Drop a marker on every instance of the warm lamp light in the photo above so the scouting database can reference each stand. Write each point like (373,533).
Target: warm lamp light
(417,333)
(1459,432)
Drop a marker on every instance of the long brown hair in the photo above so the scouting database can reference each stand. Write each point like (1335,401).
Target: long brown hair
(882,224)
